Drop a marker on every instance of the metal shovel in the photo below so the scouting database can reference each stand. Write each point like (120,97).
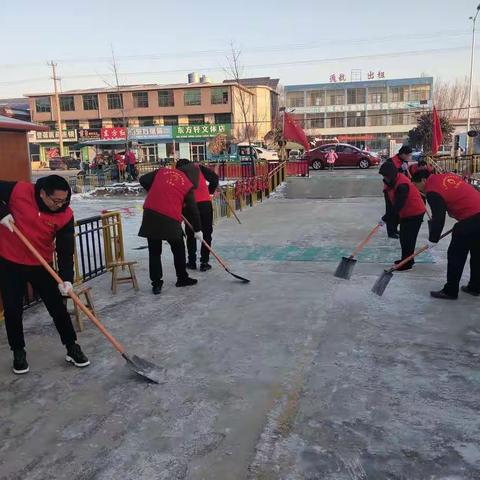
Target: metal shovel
(144,368)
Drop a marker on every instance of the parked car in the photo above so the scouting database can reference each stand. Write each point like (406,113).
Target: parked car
(348,156)
(268,155)
(294,155)
(64,163)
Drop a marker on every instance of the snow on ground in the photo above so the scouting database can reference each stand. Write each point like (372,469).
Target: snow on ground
(297,375)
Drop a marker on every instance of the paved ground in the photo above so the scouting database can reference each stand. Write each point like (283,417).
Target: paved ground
(296,376)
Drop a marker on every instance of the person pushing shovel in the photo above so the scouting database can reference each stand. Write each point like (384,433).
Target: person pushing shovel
(448,193)
(42,213)
(403,201)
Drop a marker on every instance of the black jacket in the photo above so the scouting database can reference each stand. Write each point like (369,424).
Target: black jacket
(160,227)
(64,238)
(210,176)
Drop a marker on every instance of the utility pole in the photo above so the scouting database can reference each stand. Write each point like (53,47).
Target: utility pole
(57,106)
(472,58)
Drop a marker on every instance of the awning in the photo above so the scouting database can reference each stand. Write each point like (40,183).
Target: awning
(101,143)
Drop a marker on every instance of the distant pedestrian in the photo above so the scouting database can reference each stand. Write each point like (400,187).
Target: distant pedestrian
(121,166)
(131,161)
(331,159)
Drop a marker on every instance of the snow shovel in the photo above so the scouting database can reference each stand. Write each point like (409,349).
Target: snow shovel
(347,264)
(384,279)
(217,258)
(229,206)
(140,366)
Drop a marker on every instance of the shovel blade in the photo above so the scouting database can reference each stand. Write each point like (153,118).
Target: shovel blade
(238,277)
(345,268)
(382,282)
(145,369)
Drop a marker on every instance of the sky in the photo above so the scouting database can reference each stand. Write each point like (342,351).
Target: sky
(301,41)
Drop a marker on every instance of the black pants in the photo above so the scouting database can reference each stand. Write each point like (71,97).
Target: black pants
(393,218)
(206,217)
(155,260)
(465,239)
(409,228)
(13,283)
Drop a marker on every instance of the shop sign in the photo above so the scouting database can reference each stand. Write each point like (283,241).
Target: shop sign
(342,77)
(52,135)
(149,133)
(88,134)
(199,131)
(115,133)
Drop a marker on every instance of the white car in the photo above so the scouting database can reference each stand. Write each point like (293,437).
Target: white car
(268,155)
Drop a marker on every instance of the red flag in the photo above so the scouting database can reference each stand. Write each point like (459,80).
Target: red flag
(437,135)
(294,132)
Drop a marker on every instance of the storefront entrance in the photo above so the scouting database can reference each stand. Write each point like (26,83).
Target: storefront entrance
(198,152)
(148,153)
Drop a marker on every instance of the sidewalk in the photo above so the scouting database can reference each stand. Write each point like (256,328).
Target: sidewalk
(297,375)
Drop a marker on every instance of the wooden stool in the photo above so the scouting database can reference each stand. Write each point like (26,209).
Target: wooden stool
(80,291)
(116,280)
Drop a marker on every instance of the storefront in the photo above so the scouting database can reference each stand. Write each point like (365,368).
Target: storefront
(49,146)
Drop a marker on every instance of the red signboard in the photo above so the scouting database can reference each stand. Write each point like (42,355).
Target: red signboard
(116,133)
(351,138)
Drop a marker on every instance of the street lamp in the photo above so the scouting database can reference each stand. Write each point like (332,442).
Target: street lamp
(472,58)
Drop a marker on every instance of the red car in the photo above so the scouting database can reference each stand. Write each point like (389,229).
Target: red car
(348,156)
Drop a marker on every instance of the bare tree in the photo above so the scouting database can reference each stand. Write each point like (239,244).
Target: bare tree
(451,98)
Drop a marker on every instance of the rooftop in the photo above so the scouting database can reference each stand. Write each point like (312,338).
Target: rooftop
(9,123)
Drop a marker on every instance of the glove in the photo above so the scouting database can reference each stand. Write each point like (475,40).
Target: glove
(65,288)
(431,245)
(199,235)
(7,221)
(404,166)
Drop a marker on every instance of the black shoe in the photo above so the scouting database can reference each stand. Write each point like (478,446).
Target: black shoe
(204,267)
(442,295)
(467,289)
(76,356)
(186,282)
(20,364)
(396,236)
(407,266)
(192,265)
(157,288)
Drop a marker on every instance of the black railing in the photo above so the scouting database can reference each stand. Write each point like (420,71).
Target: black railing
(91,260)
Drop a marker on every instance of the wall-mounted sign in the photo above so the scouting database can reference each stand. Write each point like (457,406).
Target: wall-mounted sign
(356,76)
(201,131)
(115,133)
(89,134)
(52,136)
(150,133)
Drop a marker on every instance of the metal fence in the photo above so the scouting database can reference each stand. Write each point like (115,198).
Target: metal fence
(87,183)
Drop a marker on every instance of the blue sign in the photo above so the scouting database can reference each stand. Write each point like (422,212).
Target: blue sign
(149,133)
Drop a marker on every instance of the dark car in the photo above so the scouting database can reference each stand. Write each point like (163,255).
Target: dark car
(348,156)
(64,163)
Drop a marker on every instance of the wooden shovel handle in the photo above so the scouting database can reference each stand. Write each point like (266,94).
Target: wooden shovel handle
(361,246)
(229,206)
(118,346)
(209,248)
(418,252)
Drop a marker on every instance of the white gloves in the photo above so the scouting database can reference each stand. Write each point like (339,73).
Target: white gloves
(199,235)
(431,245)
(8,222)
(65,288)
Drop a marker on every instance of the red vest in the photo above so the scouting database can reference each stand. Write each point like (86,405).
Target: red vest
(39,227)
(397,161)
(415,168)
(167,193)
(414,205)
(462,200)
(201,192)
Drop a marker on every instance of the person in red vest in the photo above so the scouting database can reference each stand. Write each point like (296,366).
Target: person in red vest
(168,191)
(42,213)
(405,202)
(448,193)
(131,161)
(420,165)
(199,176)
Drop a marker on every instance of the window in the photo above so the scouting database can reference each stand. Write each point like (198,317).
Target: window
(345,149)
(398,94)
(315,120)
(140,99)
(96,123)
(192,96)
(72,124)
(145,121)
(355,119)
(316,98)
(377,95)
(223,118)
(420,92)
(42,104)
(67,103)
(219,95)
(295,99)
(170,120)
(165,98)
(196,119)
(118,122)
(90,101)
(356,95)
(50,125)
(335,120)
(114,101)
(335,97)
(377,118)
